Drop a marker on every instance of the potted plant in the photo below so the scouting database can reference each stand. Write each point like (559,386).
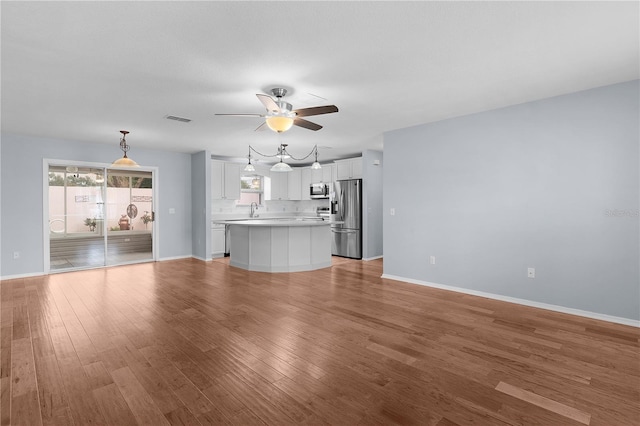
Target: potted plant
(146,218)
(91,223)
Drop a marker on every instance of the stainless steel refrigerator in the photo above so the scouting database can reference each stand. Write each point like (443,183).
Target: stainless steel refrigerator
(346,207)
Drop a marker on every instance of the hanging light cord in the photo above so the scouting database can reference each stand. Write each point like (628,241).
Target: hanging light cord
(282,150)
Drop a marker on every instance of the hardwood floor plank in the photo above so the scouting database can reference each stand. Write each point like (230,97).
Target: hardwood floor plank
(25,408)
(54,405)
(83,406)
(112,405)
(545,403)
(5,401)
(182,416)
(137,398)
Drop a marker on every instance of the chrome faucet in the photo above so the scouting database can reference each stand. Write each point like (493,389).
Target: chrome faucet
(252,214)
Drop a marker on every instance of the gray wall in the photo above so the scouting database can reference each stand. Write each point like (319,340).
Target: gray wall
(372,204)
(201,197)
(21,193)
(552,184)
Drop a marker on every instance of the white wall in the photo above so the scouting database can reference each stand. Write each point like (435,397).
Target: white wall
(21,187)
(201,198)
(552,184)
(372,204)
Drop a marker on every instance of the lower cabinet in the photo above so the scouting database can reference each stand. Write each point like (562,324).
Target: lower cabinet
(217,240)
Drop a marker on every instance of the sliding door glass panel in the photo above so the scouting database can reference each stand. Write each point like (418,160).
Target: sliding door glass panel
(76,236)
(129,216)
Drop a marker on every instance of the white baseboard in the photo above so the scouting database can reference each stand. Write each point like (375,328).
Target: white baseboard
(373,258)
(533,304)
(18,276)
(162,259)
(200,258)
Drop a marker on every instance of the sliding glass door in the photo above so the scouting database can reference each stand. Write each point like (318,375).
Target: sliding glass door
(76,226)
(99,217)
(129,215)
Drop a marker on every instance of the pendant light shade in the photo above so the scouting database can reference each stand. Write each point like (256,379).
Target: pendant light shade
(125,161)
(281,167)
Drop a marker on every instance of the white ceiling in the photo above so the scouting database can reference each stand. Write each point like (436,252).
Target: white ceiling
(85,70)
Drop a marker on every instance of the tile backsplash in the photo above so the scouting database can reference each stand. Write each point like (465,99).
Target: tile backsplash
(272,208)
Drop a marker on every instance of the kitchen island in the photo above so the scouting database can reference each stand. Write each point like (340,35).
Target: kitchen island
(280,245)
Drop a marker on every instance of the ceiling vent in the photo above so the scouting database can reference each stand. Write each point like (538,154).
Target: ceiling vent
(181,119)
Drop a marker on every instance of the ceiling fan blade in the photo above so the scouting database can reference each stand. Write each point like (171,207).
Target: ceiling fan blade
(306,112)
(306,124)
(268,103)
(242,115)
(261,127)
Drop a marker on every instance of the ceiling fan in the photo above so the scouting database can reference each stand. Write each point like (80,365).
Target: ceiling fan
(280,116)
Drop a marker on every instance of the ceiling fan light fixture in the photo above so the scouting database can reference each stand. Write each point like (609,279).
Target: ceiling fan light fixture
(279,123)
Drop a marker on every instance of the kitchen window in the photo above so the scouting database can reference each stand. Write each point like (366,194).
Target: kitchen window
(251,190)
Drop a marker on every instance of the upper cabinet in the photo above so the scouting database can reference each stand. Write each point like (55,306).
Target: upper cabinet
(295,184)
(305,183)
(349,169)
(323,175)
(280,186)
(286,186)
(225,180)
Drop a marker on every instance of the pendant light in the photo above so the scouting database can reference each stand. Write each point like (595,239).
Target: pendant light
(249,167)
(316,165)
(124,161)
(282,154)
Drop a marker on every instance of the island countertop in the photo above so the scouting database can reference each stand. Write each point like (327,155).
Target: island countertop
(277,222)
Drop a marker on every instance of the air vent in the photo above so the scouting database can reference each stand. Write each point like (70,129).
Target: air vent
(181,119)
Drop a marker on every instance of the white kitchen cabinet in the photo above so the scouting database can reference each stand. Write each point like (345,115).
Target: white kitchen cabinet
(350,168)
(280,185)
(305,183)
(217,240)
(328,175)
(316,175)
(225,180)
(323,175)
(295,184)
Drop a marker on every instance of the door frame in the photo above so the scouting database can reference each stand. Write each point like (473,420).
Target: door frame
(46,240)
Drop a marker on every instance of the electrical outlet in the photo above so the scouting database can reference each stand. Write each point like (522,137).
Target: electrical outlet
(16,255)
(392,212)
(432,260)
(531,272)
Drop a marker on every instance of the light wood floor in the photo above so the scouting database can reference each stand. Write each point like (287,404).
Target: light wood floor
(190,342)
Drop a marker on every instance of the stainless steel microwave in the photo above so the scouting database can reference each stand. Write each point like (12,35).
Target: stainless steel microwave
(319,190)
